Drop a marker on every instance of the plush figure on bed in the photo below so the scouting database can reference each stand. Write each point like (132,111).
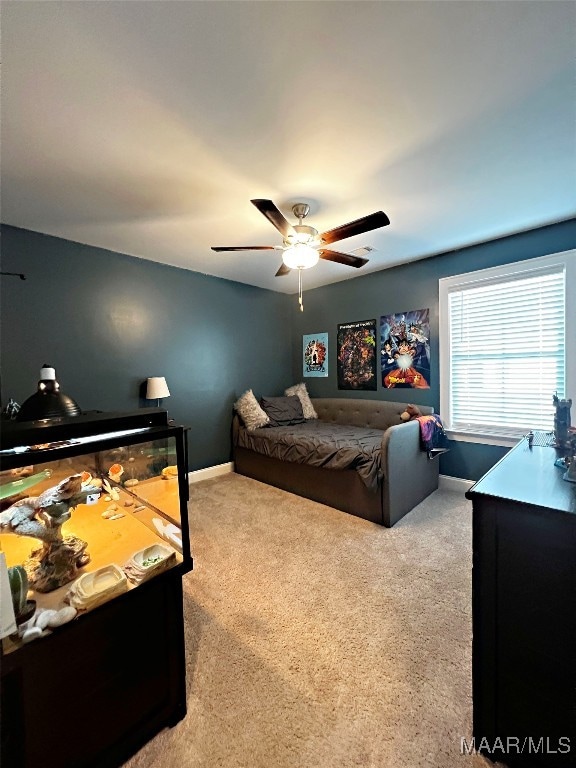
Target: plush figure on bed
(411,412)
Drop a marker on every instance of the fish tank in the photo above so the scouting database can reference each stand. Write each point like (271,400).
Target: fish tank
(90,508)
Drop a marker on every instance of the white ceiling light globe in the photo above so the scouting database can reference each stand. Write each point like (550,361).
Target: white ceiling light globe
(300,256)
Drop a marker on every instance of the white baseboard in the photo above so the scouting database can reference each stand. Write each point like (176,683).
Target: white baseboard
(208,472)
(448,483)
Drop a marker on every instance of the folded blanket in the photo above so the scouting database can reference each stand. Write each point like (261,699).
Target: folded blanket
(432,436)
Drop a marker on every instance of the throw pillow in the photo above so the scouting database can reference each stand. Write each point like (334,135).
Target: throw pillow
(283,411)
(307,407)
(249,410)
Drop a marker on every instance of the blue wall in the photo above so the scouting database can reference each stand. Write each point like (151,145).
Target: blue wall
(107,321)
(415,286)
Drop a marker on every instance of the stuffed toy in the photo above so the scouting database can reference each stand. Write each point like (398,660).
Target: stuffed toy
(411,412)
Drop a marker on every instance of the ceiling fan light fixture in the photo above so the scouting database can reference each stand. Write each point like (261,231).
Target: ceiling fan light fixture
(300,256)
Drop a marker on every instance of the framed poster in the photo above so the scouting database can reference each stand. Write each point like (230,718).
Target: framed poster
(315,354)
(357,355)
(405,350)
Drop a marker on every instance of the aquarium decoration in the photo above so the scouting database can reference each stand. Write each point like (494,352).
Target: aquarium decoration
(18,580)
(44,621)
(115,472)
(60,557)
(93,589)
(149,562)
(169,532)
(112,492)
(17,487)
(7,618)
(50,618)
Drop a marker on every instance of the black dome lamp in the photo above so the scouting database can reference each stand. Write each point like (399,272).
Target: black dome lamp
(47,402)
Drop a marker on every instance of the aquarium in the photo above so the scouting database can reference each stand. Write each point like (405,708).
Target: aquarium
(86,515)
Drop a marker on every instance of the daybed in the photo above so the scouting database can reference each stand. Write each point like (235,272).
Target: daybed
(392,474)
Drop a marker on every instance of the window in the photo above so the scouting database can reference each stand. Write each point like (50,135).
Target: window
(507,345)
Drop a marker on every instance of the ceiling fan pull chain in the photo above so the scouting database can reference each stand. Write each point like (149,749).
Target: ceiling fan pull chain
(300,290)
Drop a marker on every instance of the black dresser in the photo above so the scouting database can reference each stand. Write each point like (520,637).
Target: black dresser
(524,610)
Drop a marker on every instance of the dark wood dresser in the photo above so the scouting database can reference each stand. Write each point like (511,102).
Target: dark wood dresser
(524,610)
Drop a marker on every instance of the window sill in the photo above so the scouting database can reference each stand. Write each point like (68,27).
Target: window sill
(507,441)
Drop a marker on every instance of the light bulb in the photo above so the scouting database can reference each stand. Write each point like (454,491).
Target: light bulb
(300,256)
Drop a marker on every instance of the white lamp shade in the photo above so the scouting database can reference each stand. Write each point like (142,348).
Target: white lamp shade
(157,388)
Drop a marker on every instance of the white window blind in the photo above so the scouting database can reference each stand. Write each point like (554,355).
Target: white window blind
(506,351)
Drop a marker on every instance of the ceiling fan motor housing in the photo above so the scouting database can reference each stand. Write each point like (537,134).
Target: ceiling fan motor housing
(301,210)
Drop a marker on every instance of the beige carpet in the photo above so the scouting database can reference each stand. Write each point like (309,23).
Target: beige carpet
(319,640)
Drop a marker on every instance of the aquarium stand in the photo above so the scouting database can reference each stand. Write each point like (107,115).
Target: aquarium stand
(93,694)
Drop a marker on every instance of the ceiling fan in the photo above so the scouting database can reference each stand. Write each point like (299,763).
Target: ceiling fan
(304,245)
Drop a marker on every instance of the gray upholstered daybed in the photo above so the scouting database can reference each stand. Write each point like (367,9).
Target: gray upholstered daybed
(390,476)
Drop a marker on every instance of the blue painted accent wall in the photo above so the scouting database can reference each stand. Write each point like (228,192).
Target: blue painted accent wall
(407,287)
(107,321)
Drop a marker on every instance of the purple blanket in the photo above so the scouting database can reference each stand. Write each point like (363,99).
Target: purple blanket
(432,435)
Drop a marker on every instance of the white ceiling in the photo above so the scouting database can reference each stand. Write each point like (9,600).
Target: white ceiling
(146,127)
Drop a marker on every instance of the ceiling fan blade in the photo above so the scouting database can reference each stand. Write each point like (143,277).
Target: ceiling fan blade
(343,258)
(282,270)
(358,227)
(275,216)
(244,247)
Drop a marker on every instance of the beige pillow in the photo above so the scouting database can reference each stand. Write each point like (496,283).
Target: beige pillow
(302,392)
(248,408)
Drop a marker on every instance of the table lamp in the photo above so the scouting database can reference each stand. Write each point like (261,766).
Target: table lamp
(156,389)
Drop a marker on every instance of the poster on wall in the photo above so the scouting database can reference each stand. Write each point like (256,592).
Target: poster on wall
(315,354)
(405,350)
(357,355)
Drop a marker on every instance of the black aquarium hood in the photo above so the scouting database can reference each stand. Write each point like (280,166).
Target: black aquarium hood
(18,433)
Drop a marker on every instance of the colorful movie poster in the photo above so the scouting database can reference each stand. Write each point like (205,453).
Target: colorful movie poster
(405,350)
(315,354)
(357,355)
